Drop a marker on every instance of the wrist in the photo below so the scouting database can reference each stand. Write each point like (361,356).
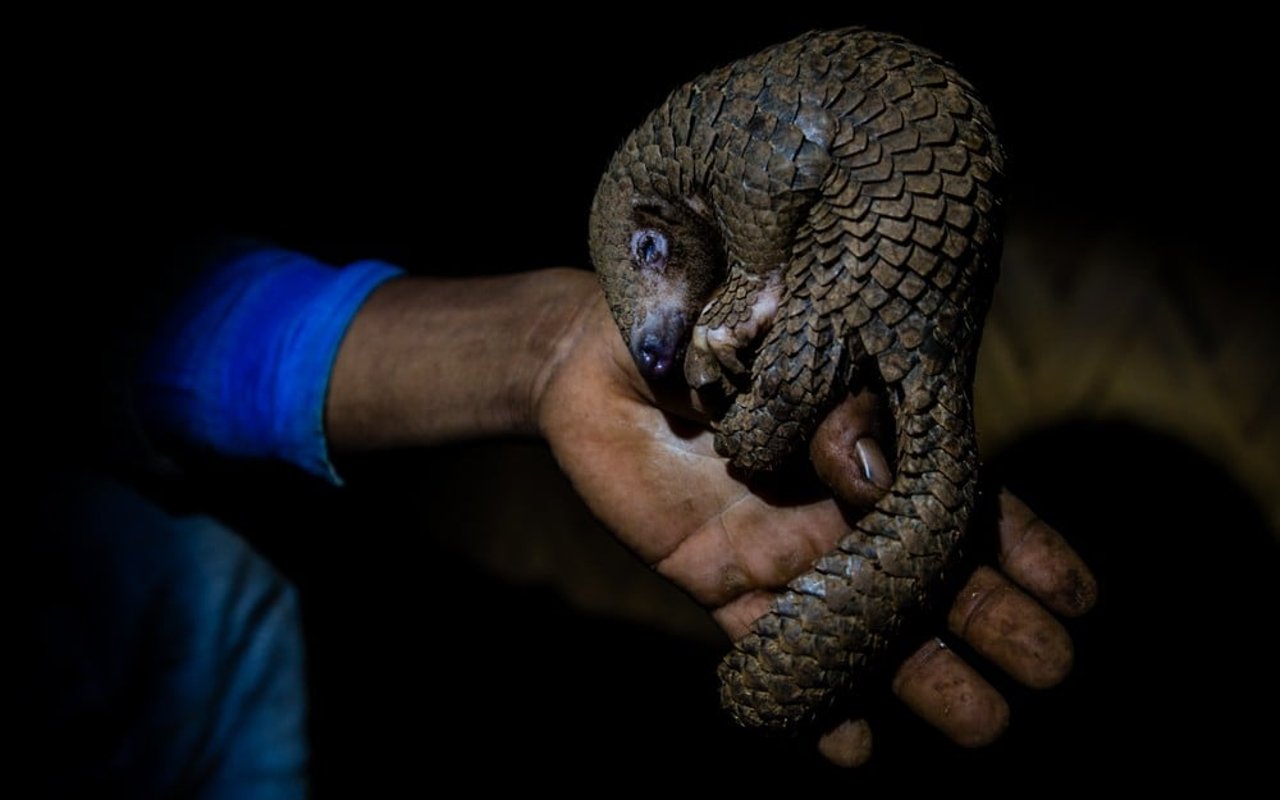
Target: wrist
(576,297)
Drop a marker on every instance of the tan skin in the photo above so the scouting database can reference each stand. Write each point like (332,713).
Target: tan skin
(428,361)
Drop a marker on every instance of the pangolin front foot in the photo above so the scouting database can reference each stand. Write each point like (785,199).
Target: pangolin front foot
(737,316)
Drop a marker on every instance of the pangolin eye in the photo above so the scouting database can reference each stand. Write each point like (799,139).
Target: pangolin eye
(649,249)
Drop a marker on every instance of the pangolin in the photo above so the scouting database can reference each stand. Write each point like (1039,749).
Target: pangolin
(821,215)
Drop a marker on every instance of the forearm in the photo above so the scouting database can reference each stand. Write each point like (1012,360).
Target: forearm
(429,360)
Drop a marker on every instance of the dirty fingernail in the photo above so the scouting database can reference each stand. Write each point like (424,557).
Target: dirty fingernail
(874,466)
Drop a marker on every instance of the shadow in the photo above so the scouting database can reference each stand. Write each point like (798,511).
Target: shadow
(1168,659)
(1167,668)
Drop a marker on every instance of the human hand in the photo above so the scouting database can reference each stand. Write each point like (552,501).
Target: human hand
(646,467)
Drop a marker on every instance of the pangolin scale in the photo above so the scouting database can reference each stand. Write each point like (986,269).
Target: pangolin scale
(820,215)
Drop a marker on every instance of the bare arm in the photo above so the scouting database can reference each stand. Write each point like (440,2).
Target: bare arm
(430,360)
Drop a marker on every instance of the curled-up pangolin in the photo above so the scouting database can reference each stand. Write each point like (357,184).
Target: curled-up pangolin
(822,214)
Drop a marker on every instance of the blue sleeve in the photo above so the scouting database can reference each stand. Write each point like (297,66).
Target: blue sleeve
(242,364)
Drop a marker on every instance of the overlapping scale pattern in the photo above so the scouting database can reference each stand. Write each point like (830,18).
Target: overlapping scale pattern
(867,171)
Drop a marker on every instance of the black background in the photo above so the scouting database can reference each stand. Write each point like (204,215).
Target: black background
(472,146)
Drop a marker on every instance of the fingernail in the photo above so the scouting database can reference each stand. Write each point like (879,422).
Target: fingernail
(874,466)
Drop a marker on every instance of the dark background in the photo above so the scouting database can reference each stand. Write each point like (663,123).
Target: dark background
(376,138)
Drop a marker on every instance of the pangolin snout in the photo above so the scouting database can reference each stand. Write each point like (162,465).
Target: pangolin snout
(657,340)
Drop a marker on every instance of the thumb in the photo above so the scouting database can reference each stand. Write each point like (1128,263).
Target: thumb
(846,455)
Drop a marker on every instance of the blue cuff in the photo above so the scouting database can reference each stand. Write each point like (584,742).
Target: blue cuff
(242,364)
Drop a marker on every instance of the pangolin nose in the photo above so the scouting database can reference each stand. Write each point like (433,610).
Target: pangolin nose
(654,356)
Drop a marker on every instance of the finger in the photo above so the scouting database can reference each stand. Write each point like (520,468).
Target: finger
(847,744)
(1037,557)
(1011,630)
(752,545)
(846,455)
(947,693)
(736,616)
